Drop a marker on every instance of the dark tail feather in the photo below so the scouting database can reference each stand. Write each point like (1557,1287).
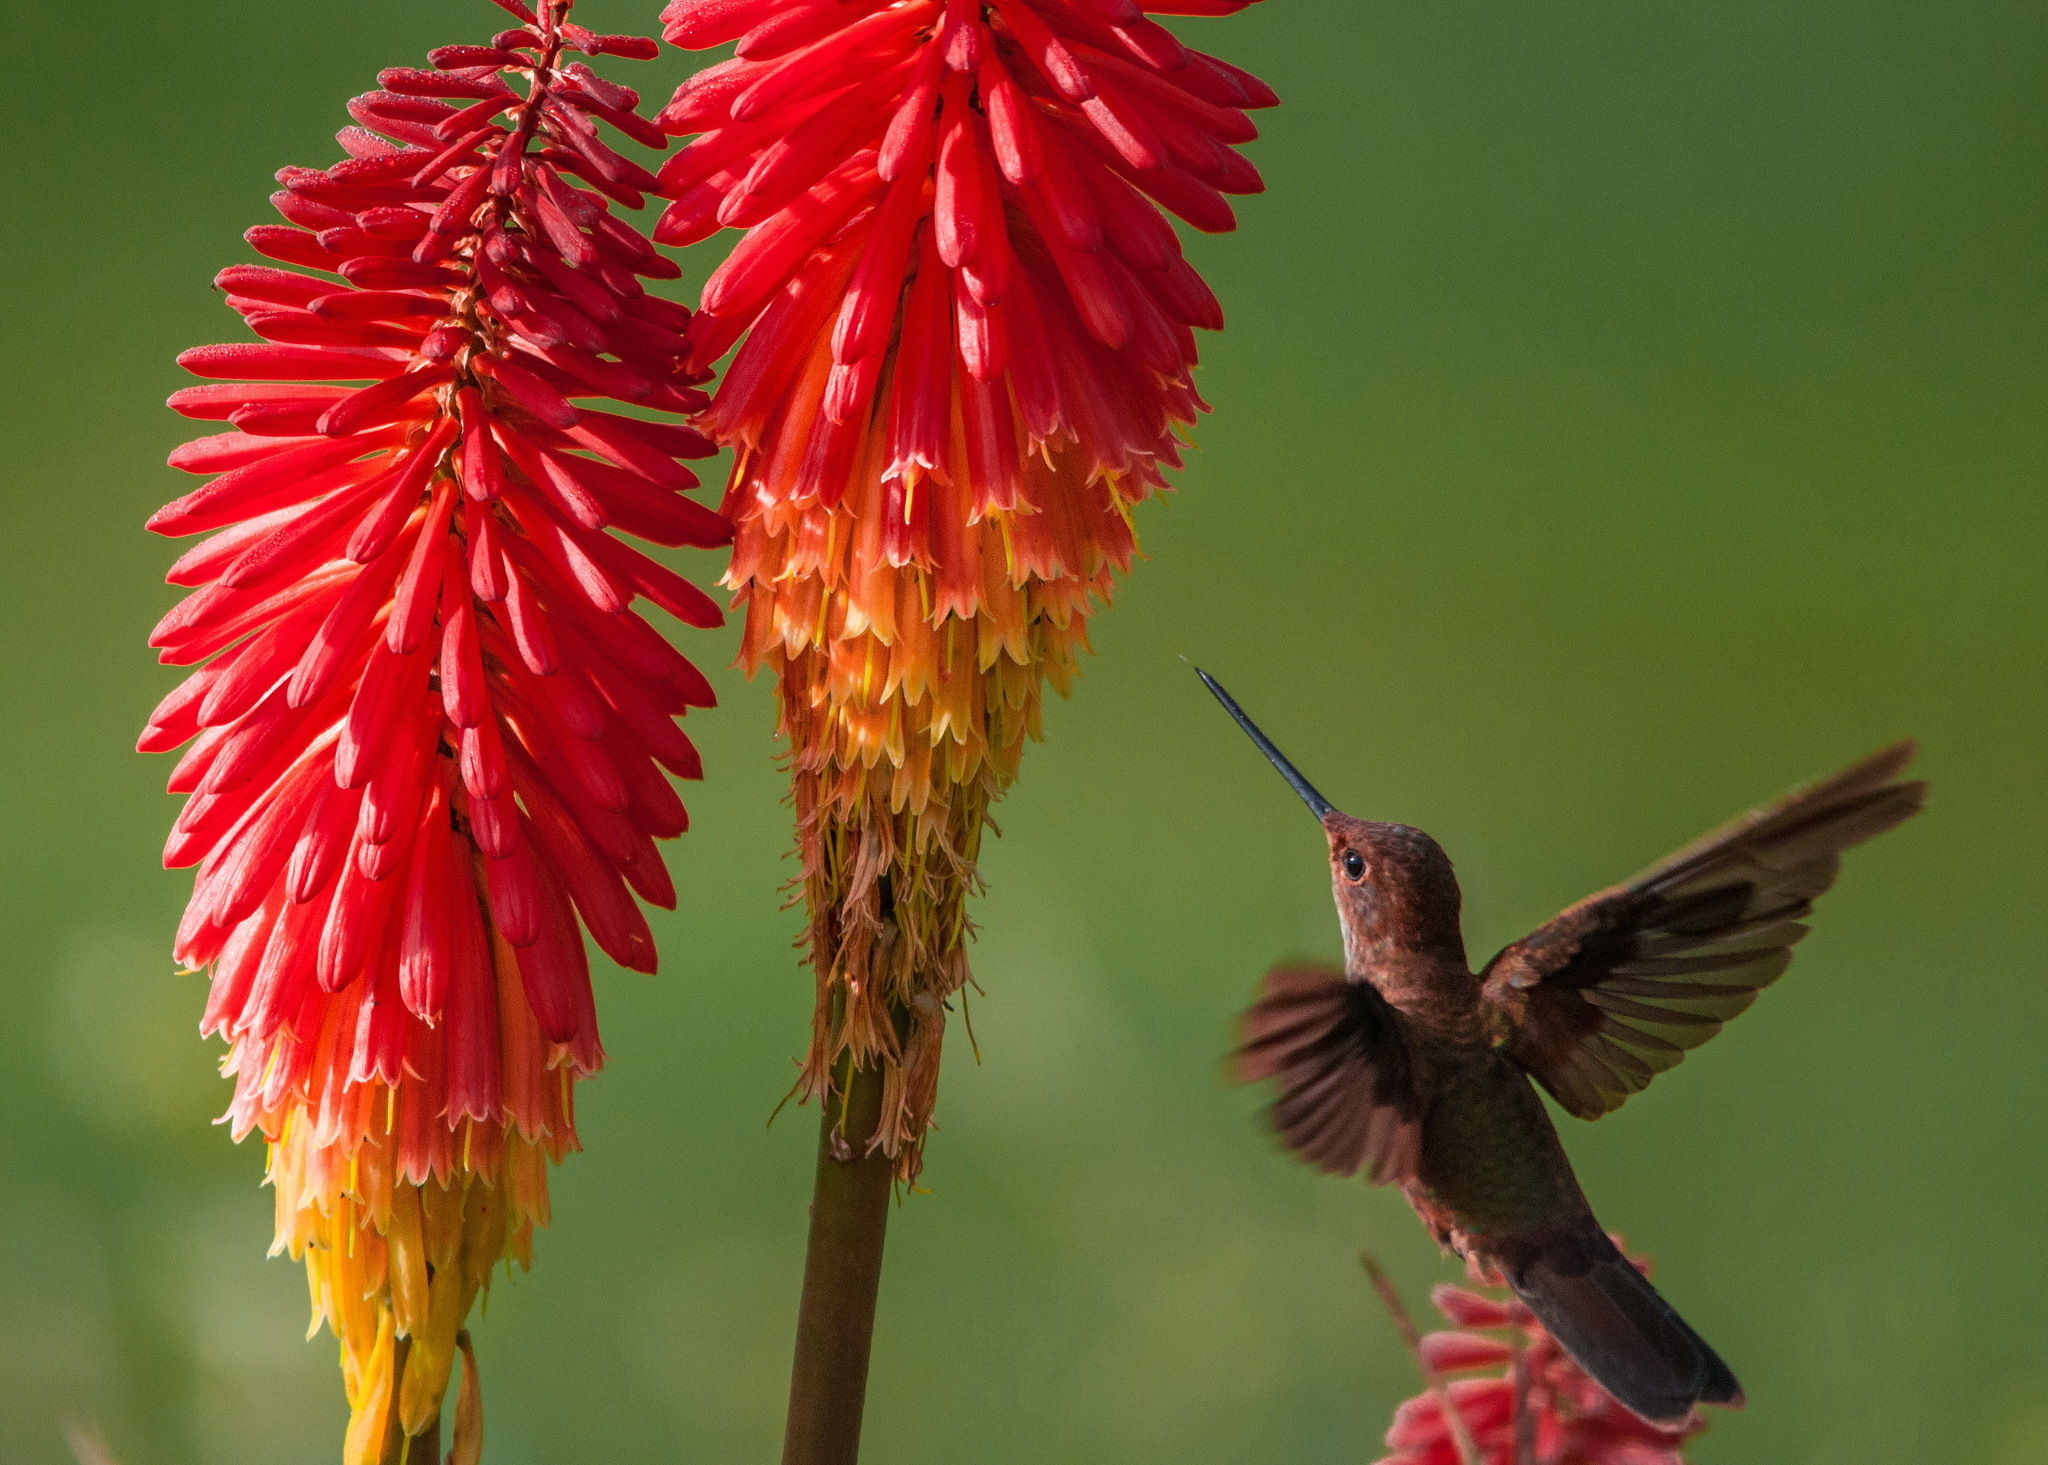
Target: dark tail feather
(1608,1317)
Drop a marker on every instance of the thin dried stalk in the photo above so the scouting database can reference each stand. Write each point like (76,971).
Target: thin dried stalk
(1468,1448)
(1525,1417)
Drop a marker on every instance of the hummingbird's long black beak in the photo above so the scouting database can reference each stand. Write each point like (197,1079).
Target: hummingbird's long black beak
(1316,802)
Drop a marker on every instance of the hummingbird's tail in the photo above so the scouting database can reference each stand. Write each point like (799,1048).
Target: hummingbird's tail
(1608,1317)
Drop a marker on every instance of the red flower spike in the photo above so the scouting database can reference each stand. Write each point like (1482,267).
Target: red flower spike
(429,730)
(966,347)
(1570,1419)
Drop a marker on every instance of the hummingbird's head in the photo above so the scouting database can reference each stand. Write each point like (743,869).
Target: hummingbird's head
(1394,885)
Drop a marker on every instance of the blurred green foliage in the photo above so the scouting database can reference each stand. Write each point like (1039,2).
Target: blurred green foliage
(1627,410)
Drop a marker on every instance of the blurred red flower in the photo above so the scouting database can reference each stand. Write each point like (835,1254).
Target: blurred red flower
(1568,1419)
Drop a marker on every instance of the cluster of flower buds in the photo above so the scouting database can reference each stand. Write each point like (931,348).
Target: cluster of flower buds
(1556,1416)
(969,346)
(430,729)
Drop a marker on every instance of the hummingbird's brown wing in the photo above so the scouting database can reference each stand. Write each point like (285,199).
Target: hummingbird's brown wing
(1347,1101)
(1600,1000)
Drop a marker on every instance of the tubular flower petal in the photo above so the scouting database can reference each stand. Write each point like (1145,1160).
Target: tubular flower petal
(1570,1419)
(969,345)
(429,730)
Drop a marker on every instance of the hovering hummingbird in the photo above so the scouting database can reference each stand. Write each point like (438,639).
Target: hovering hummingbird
(1408,1066)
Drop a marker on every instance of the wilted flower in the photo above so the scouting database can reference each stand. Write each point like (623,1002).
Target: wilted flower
(1563,1416)
(969,348)
(429,733)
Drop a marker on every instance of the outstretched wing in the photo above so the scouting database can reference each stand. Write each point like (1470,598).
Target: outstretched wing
(1598,1001)
(1347,1101)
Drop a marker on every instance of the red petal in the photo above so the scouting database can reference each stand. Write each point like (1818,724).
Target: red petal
(426,954)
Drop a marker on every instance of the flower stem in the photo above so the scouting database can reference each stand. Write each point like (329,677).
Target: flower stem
(424,1448)
(1461,1433)
(1525,1417)
(842,1272)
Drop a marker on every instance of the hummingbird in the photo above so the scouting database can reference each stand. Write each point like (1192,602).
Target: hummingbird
(1411,1067)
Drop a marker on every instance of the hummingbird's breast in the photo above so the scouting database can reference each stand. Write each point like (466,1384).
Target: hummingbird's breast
(1491,1166)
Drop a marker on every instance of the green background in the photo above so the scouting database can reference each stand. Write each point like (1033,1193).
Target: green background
(1628,409)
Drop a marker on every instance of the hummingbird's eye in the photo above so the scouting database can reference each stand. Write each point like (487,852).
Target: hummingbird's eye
(1354,865)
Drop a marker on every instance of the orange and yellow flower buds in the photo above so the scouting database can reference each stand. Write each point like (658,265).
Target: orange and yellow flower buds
(969,346)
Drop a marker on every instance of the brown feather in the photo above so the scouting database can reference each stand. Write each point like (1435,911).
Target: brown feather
(1346,1099)
(1588,1001)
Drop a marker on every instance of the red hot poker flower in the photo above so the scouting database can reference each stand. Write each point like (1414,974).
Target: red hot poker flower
(429,731)
(969,348)
(1570,1420)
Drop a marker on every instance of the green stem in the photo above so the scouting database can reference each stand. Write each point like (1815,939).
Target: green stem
(423,1448)
(835,1323)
